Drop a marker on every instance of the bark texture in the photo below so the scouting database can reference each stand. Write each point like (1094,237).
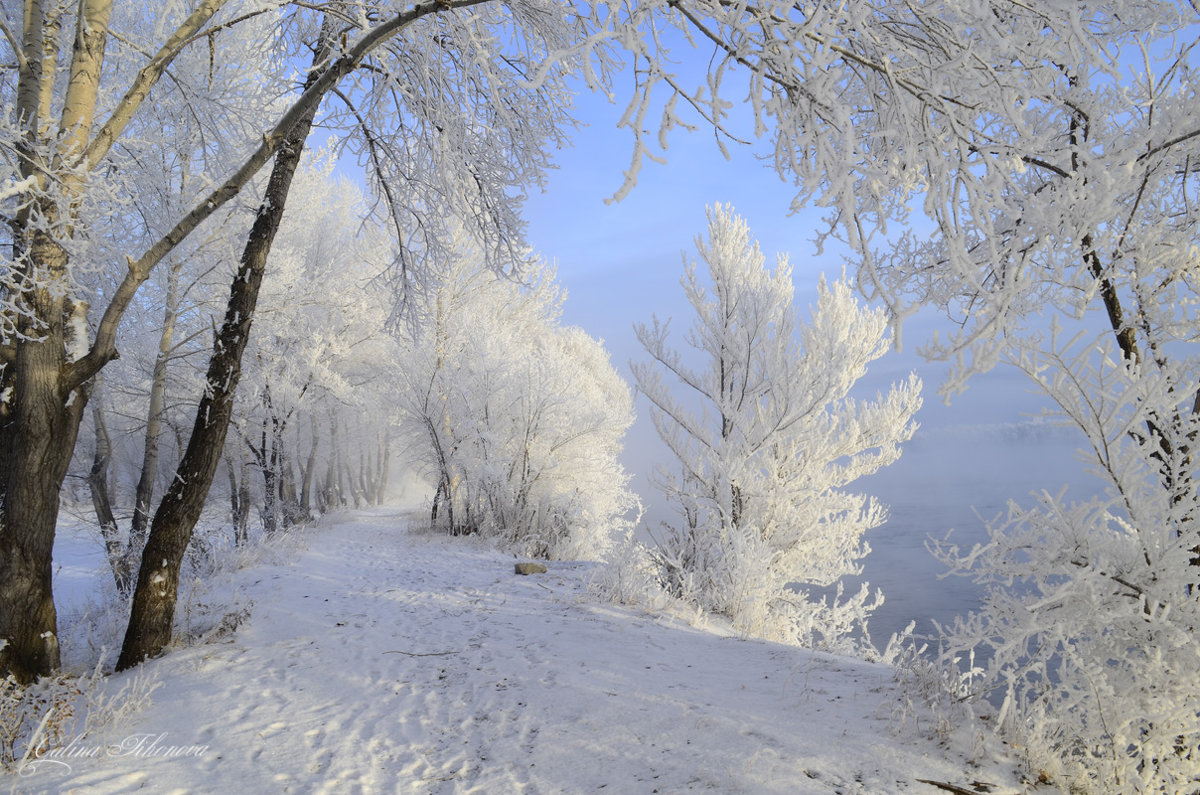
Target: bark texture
(153,612)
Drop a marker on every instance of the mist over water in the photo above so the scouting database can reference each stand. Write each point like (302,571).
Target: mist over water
(950,479)
(956,479)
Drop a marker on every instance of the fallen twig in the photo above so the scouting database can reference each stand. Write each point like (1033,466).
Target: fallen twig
(422,654)
(980,787)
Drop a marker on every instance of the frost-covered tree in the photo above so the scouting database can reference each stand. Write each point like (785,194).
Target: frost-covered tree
(59,132)
(321,337)
(766,439)
(471,102)
(518,420)
(1088,625)
(1053,150)
(456,101)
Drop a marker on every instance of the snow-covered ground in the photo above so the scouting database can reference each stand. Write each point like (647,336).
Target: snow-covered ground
(375,660)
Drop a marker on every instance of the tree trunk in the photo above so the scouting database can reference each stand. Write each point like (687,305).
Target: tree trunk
(41,435)
(366,472)
(239,499)
(235,509)
(243,525)
(332,491)
(382,469)
(152,616)
(144,495)
(98,485)
(348,484)
(266,465)
(45,409)
(289,500)
(310,470)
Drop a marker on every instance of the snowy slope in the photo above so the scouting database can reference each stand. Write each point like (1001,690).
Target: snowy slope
(384,661)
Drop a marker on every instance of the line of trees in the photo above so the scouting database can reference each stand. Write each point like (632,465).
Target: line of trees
(516,419)
(417,87)
(310,398)
(1053,148)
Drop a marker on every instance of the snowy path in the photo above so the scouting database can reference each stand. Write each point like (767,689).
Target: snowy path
(381,662)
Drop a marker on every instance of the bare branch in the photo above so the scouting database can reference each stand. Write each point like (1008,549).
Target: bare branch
(146,78)
(104,346)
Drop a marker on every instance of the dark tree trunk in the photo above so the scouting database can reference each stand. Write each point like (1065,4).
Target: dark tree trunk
(266,465)
(310,471)
(37,442)
(102,504)
(153,611)
(40,451)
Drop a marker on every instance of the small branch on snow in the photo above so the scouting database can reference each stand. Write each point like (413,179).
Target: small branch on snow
(425,654)
(979,786)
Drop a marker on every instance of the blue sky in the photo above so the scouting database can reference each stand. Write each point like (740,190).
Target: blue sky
(621,262)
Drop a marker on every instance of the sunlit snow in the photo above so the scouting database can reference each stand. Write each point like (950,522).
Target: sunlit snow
(375,659)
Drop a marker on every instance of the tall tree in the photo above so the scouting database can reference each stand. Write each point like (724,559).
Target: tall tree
(765,440)
(1053,150)
(48,364)
(430,61)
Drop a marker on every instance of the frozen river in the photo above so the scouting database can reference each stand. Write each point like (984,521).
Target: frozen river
(955,479)
(949,478)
